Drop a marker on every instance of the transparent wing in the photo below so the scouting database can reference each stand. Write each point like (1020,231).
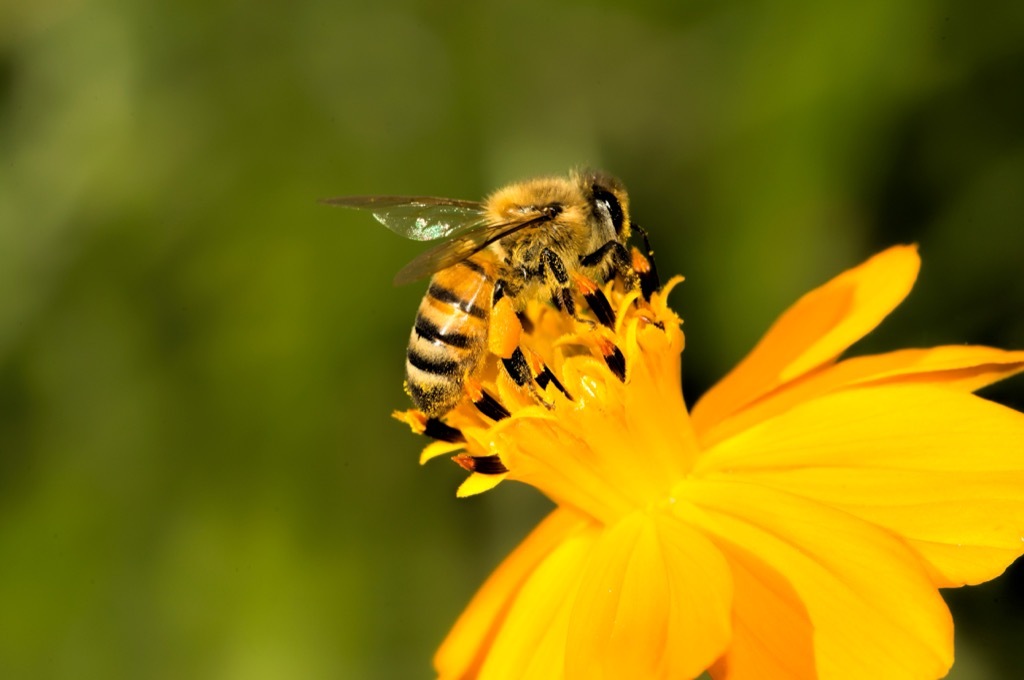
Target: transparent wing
(460,247)
(420,218)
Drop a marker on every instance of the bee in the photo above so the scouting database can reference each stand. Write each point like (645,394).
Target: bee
(526,241)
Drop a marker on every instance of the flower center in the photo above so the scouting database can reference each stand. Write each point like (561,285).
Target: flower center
(587,407)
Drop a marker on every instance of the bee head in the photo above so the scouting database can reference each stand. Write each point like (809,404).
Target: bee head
(608,200)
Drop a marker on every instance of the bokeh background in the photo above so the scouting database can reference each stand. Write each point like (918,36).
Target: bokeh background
(199,477)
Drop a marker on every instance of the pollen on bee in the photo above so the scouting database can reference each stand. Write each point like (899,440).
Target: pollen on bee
(474,390)
(505,329)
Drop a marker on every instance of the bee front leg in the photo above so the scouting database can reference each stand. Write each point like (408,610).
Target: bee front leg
(645,267)
(616,254)
(562,297)
(549,261)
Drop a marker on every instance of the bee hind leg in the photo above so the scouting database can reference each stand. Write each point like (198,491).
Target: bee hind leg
(504,338)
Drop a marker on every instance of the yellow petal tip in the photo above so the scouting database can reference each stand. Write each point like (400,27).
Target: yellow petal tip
(477,483)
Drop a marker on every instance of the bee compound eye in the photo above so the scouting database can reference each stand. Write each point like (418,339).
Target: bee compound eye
(608,205)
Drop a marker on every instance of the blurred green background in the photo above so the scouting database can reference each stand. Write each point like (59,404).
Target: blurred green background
(199,477)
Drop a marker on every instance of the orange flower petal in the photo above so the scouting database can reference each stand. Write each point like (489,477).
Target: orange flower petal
(531,640)
(782,650)
(872,609)
(966,368)
(701,596)
(940,468)
(958,367)
(814,331)
(654,602)
(562,463)
(464,649)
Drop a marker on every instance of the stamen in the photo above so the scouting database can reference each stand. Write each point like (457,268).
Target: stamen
(617,363)
(596,300)
(612,356)
(436,429)
(484,402)
(491,407)
(534,360)
(546,376)
(485,465)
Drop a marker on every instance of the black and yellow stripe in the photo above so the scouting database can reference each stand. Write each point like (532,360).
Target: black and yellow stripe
(449,335)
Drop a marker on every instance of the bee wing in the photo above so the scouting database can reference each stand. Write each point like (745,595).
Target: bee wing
(420,218)
(460,247)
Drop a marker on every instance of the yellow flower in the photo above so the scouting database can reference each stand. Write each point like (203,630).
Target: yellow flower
(797,524)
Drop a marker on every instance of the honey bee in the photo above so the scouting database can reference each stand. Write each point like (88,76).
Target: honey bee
(530,240)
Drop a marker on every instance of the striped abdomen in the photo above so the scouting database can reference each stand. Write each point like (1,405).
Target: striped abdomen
(449,336)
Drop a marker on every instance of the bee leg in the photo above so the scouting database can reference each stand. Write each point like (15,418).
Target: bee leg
(562,297)
(562,300)
(645,266)
(502,289)
(524,321)
(549,259)
(503,339)
(505,329)
(615,253)
(517,368)
(502,335)
(499,292)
